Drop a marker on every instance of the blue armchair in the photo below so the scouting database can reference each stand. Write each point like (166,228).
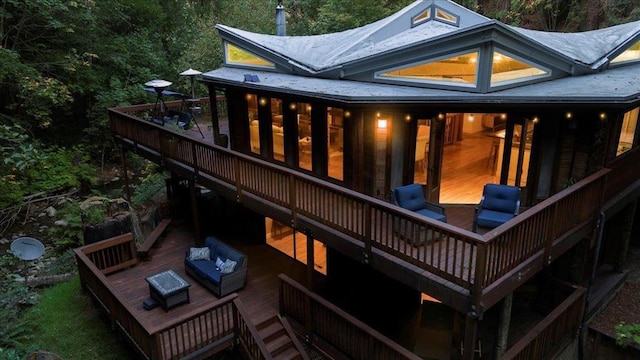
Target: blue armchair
(499,204)
(410,197)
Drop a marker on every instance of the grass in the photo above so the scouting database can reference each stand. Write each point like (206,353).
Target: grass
(72,326)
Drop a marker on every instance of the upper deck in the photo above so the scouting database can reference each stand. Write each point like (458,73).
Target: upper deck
(468,271)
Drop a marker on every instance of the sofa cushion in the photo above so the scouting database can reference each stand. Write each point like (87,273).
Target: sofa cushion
(410,197)
(214,276)
(219,262)
(432,214)
(201,267)
(492,219)
(199,253)
(228,266)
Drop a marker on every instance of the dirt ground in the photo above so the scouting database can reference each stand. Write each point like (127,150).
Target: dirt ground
(624,307)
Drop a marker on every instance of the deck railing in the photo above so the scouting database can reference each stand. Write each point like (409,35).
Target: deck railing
(320,318)
(553,332)
(247,334)
(197,334)
(461,257)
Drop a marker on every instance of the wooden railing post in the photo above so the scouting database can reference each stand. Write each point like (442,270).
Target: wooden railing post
(293,201)
(196,170)
(236,169)
(367,233)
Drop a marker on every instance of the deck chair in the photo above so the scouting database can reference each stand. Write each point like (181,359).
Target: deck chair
(499,204)
(410,197)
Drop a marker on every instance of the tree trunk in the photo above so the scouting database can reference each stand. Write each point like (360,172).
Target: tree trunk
(594,8)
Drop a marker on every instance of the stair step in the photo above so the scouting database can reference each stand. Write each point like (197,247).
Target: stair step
(289,354)
(268,322)
(271,332)
(279,344)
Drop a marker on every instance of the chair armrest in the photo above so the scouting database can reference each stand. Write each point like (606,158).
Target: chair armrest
(434,207)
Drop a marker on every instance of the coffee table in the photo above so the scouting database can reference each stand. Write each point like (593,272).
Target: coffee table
(168,289)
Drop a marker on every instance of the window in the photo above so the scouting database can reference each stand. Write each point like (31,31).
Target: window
(460,69)
(446,17)
(507,70)
(277,129)
(303,115)
(631,54)
(254,124)
(335,141)
(422,17)
(237,56)
(628,131)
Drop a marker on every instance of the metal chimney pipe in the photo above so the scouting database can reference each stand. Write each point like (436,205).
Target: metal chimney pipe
(281,21)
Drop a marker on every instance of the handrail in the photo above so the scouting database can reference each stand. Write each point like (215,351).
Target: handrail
(343,331)
(248,335)
(469,260)
(542,341)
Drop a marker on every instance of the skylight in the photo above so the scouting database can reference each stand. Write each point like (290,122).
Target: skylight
(435,13)
(631,54)
(446,16)
(237,56)
(422,17)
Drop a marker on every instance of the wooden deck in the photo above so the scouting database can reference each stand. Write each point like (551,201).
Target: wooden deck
(260,295)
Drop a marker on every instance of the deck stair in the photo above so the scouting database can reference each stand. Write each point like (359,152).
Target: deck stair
(280,339)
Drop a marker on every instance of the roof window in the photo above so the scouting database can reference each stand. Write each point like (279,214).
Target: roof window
(434,12)
(506,69)
(234,55)
(631,54)
(460,69)
(422,17)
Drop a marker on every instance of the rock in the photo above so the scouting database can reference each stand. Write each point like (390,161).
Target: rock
(4,241)
(41,214)
(115,179)
(50,211)
(61,223)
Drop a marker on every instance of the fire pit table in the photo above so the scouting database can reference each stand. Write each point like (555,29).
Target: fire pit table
(168,289)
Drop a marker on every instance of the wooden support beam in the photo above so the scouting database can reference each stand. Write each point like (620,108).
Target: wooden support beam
(194,212)
(470,335)
(504,322)
(310,260)
(623,249)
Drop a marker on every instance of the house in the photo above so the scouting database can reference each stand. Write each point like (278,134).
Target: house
(322,129)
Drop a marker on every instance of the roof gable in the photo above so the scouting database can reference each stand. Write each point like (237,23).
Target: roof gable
(372,52)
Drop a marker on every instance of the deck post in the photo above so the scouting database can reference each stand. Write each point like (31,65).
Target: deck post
(503,326)
(630,214)
(213,109)
(194,212)
(310,259)
(125,171)
(470,334)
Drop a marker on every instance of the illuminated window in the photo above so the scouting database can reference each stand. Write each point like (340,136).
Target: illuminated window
(254,124)
(506,69)
(422,17)
(628,131)
(446,17)
(236,56)
(459,69)
(335,142)
(631,54)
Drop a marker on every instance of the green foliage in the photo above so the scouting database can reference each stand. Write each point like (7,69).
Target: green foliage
(27,168)
(148,187)
(627,334)
(72,234)
(15,331)
(65,310)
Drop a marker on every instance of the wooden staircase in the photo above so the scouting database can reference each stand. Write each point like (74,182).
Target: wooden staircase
(280,339)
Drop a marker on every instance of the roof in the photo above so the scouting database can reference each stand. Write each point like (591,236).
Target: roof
(619,85)
(371,52)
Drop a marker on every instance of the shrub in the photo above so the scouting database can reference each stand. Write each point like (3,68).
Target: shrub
(627,334)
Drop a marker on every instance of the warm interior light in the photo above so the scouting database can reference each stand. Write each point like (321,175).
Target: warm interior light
(471,118)
(382,123)
(292,106)
(568,115)
(503,116)
(308,107)
(535,120)
(603,116)
(347,114)
(263,101)
(407,118)
(378,114)
(440,116)
(249,97)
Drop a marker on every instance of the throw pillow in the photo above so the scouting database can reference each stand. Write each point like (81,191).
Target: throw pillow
(228,266)
(199,253)
(219,263)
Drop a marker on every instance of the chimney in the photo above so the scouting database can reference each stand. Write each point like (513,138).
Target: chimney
(281,21)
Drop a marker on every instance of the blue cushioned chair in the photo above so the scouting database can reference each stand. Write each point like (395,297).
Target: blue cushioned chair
(499,204)
(410,197)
